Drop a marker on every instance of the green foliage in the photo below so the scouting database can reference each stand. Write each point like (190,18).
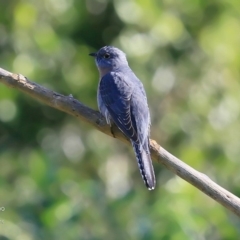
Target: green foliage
(61,179)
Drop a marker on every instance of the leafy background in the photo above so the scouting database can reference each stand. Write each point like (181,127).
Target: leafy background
(61,179)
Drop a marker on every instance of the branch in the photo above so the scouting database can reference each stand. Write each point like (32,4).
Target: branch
(75,108)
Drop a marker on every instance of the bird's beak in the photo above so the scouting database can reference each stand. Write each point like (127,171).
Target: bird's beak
(93,54)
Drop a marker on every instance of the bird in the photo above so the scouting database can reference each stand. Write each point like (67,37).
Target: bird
(122,100)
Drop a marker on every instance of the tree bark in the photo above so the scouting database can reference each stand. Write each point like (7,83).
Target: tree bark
(75,108)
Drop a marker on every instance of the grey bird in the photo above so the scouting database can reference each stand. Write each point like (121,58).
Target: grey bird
(122,99)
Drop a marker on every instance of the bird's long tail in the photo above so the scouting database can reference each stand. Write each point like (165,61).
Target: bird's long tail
(145,165)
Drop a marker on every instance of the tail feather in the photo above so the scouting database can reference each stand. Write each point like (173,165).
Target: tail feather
(145,166)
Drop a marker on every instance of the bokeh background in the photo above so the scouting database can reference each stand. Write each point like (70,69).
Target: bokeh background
(60,178)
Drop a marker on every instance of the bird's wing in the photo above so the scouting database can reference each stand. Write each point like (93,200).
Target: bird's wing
(126,102)
(116,93)
(140,115)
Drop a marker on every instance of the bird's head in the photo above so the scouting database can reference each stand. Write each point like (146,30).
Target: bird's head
(109,58)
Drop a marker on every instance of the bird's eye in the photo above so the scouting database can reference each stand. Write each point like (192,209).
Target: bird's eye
(106,55)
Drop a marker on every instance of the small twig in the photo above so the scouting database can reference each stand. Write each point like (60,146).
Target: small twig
(73,107)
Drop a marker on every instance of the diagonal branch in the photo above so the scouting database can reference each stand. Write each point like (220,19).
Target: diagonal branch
(75,108)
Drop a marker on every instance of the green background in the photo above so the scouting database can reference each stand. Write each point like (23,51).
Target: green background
(62,179)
